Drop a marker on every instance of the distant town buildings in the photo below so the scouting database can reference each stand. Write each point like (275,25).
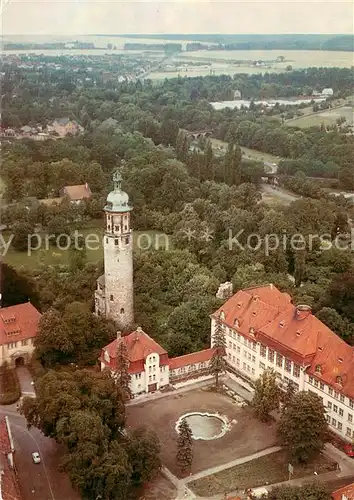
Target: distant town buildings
(65,126)
(18,329)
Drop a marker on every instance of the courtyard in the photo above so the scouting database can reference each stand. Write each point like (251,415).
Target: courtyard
(246,435)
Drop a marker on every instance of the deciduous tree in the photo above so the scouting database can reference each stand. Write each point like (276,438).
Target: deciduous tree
(303,427)
(266,396)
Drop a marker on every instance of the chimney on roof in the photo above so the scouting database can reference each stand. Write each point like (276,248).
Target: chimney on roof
(302,311)
(119,335)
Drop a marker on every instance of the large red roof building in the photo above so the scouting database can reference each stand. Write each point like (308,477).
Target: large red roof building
(18,329)
(265,330)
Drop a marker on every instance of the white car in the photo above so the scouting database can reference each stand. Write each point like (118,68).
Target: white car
(36,458)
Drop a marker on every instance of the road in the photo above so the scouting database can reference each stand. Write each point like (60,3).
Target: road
(282,194)
(37,481)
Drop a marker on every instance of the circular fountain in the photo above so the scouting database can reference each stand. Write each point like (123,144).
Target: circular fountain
(206,426)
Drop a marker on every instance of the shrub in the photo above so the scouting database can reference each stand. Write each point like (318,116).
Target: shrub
(10,386)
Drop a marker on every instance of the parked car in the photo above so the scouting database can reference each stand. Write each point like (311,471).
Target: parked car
(36,458)
(348,450)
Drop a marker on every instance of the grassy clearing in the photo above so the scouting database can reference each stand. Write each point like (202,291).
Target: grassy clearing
(251,154)
(51,255)
(270,469)
(327,117)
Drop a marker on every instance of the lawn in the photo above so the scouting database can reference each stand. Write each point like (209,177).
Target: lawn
(246,436)
(51,255)
(251,154)
(327,117)
(270,469)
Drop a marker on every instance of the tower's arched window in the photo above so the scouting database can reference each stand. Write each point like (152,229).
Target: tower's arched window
(111,297)
(116,242)
(122,310)
(127,241)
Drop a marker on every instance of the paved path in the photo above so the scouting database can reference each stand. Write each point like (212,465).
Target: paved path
(280,193)
(25,379)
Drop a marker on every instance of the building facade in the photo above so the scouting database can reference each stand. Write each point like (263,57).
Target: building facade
(150,368)
(265,330)
(18,330)
(114,293)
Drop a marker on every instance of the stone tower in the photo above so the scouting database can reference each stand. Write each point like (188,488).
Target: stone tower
(114,294)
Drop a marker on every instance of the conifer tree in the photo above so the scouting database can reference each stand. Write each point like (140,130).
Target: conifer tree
(266,395)
(184,457)
(122,375)
(218,362)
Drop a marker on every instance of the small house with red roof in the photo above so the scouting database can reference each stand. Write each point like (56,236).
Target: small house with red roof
(18,330)
(77,193)
(149,365)
(345,493)
(9,487)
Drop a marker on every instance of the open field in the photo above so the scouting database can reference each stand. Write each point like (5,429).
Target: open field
(327,117)
(252,154)
(270,469)
(295,58)
(245,437)
(51,255)
(226,69)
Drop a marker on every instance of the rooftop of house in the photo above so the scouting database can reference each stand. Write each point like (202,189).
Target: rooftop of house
(344,493)
(78,192)
(268,316)
(18,323)
(190,359)
(139,345)
(62,121)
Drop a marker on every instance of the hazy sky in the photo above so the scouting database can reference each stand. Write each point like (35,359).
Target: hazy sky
(61,17)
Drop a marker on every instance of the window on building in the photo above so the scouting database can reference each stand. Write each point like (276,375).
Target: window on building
(24,342)
(262,366)
(336,394)
(350,417)
(335,408)
(351,403)
(238,349)
(239,337)
(244,366)
(310,380)
(334,422)
(245,354)
(349,432)
(116,241)
(263,351)
(127,241)
(318,369)
(109,227)
(111,297)
(342,398)
(271,355)
(125,228)
(279,360)
(316,383)
(340,426)
(233,359)
(322,386)
(341,412)
(116,228)
(106,240)
(328,418)
(248,368)
(230,345)
(253,371)
(253,359)
(249,356)
(288,365)
(122,310)
(229,355)
(237,362)
(329,405)
(330,391)
(150,378)
(296,371)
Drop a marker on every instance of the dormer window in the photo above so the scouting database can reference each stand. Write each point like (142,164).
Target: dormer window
(254,313)
(318,369)
(236,323)
(282,324)
(339,380)
(298,333)
(222,315)
(340,360)
(320,349)
(239,305)
(251,330)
